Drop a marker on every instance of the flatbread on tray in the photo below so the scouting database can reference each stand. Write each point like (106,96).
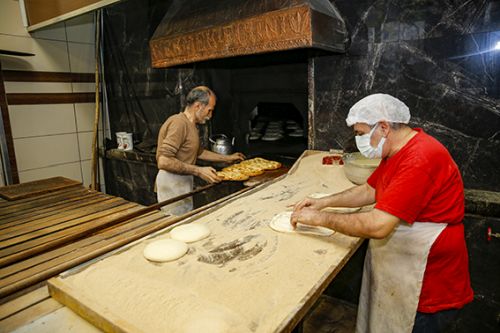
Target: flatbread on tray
(232,175)
(247,168)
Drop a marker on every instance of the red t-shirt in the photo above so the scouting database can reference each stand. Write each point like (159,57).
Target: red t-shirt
(421,182)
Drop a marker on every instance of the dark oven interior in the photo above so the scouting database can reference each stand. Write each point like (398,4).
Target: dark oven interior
(262,103)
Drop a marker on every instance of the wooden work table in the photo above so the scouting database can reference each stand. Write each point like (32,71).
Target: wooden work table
(51,225)
(244,277)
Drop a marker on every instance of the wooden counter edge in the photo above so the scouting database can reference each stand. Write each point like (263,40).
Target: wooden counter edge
(98,317)
(308,301)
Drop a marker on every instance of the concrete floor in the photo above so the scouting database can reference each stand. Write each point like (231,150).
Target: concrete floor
(330,315)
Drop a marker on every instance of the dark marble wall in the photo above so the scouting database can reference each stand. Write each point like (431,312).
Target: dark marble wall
(140,97)
(131,180)
(437,56)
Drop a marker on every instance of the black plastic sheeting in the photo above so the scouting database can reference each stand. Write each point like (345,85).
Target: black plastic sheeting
(185,16)
(140,98)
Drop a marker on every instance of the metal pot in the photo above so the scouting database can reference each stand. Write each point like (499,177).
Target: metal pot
(358,168)
(222,144)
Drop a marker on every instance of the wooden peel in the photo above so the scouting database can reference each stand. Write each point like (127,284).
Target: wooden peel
(114,219)
(37,187)
(266,176)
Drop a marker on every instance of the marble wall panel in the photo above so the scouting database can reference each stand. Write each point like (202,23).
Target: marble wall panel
(385,20)
(131,180)
(445,69)
(434,55)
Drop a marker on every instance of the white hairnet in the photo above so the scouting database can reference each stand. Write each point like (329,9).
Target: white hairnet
(378,107)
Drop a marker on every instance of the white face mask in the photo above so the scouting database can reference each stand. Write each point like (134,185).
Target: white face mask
(365,148)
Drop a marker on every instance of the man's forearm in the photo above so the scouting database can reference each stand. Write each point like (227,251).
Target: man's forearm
(348,224)
(175,166)
(374,224)
(356,196)
(210,156)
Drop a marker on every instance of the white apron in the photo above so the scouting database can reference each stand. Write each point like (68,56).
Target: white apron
(170,185)
(392,278)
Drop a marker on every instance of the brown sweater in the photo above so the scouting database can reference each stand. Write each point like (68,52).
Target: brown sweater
(179,138)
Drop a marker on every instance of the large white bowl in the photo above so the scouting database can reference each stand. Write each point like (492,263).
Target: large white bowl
(358,168)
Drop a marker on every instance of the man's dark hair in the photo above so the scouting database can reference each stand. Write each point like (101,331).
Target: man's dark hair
(199,94)
(397,126)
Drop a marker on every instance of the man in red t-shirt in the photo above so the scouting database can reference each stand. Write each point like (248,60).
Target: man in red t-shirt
(417,236)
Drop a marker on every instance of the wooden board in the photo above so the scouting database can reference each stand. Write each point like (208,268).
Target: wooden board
(40,11)
(61,320)
(32,226)
(34,188)
(244,278)
(43,266)
(17,305)
(34,269)
(6,205)
(266,176)
(33,312)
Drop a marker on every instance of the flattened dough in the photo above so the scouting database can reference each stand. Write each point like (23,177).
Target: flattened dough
(281,222)
(189,233)
(165,250)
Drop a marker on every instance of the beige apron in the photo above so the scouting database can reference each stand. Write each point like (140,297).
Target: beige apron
(170,185)
(392,278)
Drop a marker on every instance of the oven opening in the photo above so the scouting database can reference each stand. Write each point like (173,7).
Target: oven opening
(262,101)
(276,129)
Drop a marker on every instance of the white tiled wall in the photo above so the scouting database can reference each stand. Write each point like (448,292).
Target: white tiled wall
(50,140)
(28,121)
(38,87)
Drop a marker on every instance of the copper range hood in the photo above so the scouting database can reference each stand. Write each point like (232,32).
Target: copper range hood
(198,30)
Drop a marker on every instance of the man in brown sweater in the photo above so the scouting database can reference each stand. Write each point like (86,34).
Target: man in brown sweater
(179,148)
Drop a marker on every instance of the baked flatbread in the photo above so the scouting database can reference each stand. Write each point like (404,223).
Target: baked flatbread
(232,175)
(248,168)
(262,163)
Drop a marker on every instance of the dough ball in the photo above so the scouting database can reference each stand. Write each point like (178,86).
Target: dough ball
(189,233)
(165,250)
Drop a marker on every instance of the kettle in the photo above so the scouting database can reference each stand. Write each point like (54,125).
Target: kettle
(221,144)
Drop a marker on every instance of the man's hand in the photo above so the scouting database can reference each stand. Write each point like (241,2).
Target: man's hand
(208,174)
(307,216)
(236,157)
(308,202)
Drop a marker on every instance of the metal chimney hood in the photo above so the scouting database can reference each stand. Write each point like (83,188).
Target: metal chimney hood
(198,30)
